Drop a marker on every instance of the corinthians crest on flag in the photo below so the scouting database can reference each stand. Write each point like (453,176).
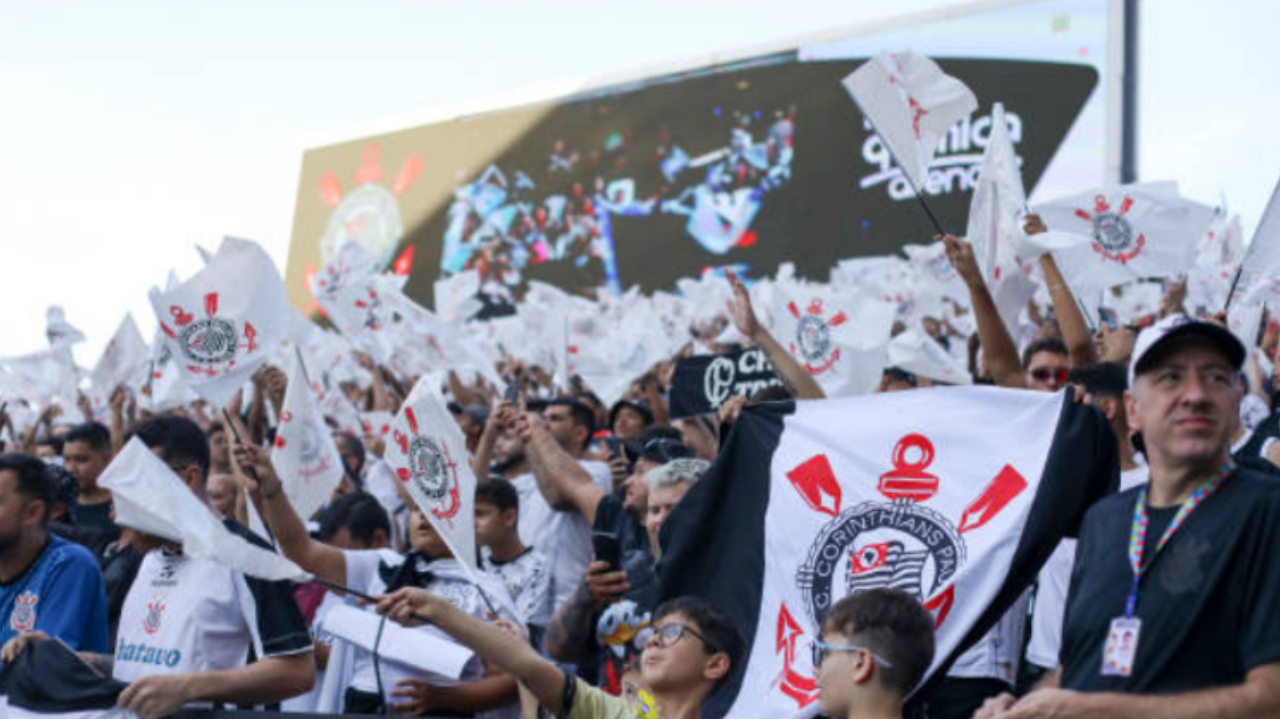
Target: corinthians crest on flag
(955,496)
(428,453)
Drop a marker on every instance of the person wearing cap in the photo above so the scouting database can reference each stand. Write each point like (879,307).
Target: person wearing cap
(1175,583)
(629,418)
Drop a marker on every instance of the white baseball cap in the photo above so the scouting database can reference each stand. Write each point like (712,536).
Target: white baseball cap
(1175,326)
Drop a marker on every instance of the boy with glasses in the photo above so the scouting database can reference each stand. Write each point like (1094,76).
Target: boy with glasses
(691,649)
(875,648)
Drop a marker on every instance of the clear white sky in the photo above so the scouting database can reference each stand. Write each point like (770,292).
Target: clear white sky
(131,130)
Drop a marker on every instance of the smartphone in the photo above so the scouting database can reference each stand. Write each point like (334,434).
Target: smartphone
(615,447)
(1108,317)
(513,393)
(607,549)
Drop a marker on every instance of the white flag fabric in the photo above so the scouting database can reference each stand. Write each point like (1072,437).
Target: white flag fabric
(1139,230)
(839,337)
(150,498)
(59,331)
(917,353)
(124,361)
(226,321)
(428,454)
(993,225)
(1260,271)
(305,456)
(1218,257)
(955,496)
(911,103)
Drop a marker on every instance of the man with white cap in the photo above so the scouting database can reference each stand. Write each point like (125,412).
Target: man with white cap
(1175,583)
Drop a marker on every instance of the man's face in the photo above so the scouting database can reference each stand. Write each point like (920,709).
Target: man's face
(423,537)
(222,493)
(507,448)
(15,513)
(561,425)
(661,501)
(219,450)
(636,497)
(628,424)
(85,463)
(1047,371)
(683,665)
(836,686)
(1187,405)
(492,524)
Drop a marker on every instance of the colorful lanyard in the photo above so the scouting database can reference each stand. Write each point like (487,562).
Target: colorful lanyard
(1138,532)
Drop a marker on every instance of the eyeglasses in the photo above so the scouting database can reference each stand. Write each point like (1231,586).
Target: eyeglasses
(822,649)
(669,634)
(1042,374)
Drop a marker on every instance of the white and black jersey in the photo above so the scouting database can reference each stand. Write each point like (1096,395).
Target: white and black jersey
(195,615)
(528,579)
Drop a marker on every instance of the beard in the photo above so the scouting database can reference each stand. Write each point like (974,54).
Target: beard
(8,542)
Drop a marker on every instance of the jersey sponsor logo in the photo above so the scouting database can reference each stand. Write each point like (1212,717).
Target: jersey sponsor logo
(143,653)
(900,544)
(23,616)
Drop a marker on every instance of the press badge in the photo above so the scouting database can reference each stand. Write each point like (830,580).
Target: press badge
(1121,648)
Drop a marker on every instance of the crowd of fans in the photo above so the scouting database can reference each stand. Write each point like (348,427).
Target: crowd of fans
(573,494)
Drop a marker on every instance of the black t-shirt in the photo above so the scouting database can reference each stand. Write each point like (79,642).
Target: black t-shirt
(616,626)
(97,516)
(1207,602)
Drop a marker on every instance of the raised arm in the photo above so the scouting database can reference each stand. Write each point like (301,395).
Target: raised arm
(999,352)
(794,376)
(290,533)
(1075,332)
(410,606)
(561,479)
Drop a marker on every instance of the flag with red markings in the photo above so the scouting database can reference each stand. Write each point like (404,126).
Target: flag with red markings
(304,454)
(428,453)
(226,321)
(840,337)
(956,496)
(911,103)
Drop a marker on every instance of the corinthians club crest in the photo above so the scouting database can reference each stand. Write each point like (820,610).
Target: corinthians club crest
(23,616)
(210,341)
(901,543)
(1113,236)
(812,343)
(155,612)
(430,468)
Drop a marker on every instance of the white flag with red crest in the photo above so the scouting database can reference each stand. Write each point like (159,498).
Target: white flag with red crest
(839,337)
(305,456)
(224,323)
(1127,233)
(911,103)
(428,454)
(1260,272)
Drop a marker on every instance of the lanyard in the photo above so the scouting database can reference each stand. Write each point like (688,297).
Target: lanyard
(1138,532)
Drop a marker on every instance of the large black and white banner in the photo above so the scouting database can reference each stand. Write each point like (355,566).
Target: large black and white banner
(955,495)
(702,384)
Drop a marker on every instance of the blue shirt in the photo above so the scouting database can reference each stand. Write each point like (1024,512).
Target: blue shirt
(61,594)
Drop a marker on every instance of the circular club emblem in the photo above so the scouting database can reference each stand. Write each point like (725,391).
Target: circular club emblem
(717,383)
(1112,232)
(813,337)
(209,341)
(369,215)
(429,468)
(900,545)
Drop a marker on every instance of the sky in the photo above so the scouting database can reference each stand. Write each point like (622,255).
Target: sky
(132,130)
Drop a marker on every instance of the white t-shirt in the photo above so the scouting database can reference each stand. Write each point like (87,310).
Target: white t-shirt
(194,615)
(564,538)
(369,571)
(528,579)
(1051,595)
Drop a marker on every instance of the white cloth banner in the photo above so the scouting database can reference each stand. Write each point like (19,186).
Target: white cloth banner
(1260,273)
(150,498)
(124,361)
(839,337)
(305,456)
(224,323)
(911,103)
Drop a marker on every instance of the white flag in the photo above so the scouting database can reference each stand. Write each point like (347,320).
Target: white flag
(839,337)
(993,224)
(428,454)
(1136,231)
(917,353)
(305,456)
(150,498)
(224,323)
(124,361)
(1260,271)
(912,104)
(59,331)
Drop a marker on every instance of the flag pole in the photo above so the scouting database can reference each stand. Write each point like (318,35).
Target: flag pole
(1232,292)
(336,587)
(919,195)
(302,365)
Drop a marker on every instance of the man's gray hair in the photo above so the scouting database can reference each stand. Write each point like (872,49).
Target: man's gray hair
(675,472)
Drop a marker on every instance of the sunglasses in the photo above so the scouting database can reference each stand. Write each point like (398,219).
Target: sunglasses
(821,650)
(669,634)
(1043,374)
